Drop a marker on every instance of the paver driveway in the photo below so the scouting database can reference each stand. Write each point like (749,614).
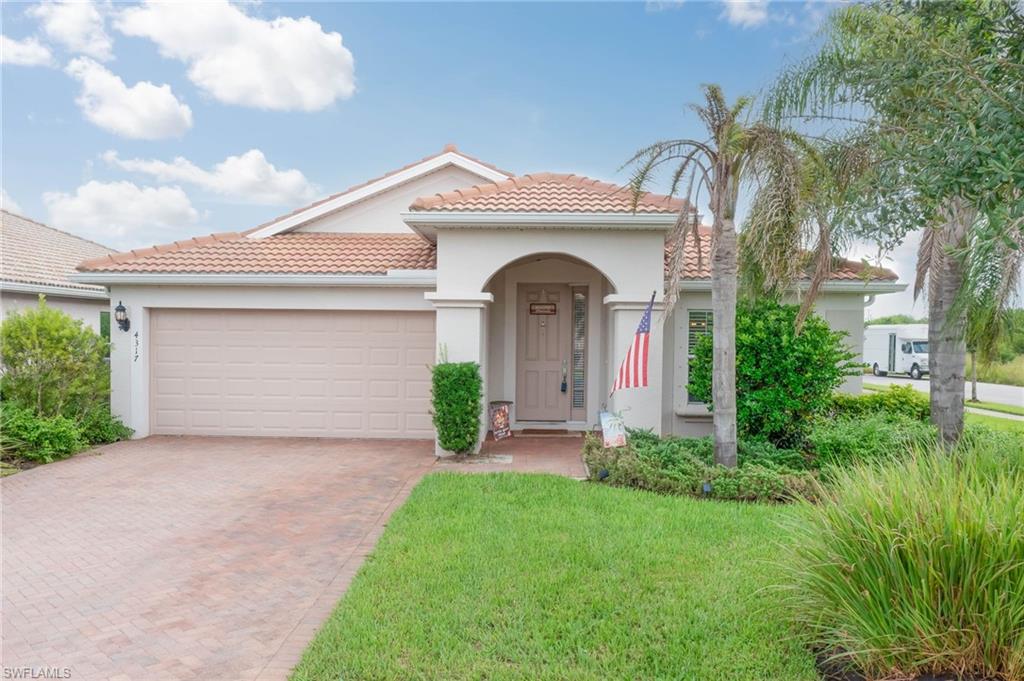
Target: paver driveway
(181,558)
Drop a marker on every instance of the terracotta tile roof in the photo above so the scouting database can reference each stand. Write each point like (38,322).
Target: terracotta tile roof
(695,267)
(548,192)
(293,253)
(448,148)
(32,253)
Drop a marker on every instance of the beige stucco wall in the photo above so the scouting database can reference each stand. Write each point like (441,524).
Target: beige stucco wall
(843,312)
(86,309)
(630,260)
(382,213)
(129,360)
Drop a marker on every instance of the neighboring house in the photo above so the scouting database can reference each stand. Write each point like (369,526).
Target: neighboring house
(323,322)
(37,260)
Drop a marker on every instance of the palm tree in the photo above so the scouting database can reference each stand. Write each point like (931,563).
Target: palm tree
(834,175)
(733,152)
(939,85)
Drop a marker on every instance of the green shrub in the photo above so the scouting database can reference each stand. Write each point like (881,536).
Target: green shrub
(98,427)
(897,400)
(53,364)
(782,378)
(850,440)
(675,465)
(42,439)
(917,566)
(457,396)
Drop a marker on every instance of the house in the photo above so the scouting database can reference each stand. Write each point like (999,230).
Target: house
(37,260)
(323,322)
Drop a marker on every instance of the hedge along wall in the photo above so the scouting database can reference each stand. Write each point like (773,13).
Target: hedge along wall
(457,402)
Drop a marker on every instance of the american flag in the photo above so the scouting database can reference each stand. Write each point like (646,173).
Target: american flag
(633,370)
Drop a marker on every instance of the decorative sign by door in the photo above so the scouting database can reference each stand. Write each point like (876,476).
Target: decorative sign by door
(543,308)
(500,425)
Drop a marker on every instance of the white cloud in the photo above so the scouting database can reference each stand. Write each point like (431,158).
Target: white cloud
(142,111)
(282,64)
(27,52)
(7,203)
(77,25)
(249,177)
(122,214)
(745,13)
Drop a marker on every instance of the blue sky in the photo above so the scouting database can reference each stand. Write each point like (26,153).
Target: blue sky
(301,100)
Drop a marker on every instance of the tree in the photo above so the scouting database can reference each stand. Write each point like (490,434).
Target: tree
(939,86)
(833,174)
(733,152)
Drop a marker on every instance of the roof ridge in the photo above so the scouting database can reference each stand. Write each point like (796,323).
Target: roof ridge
(448,149)
(55,229)
(530,180)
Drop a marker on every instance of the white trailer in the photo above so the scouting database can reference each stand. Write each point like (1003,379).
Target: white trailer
(897,349)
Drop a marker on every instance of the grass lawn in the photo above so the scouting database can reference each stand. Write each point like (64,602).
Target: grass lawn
(510,576)
(996,422)
(995,406)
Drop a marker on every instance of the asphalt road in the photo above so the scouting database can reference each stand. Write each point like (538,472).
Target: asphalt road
(987,392)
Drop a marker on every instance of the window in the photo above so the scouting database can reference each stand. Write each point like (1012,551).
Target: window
(579,347)
(906,348)
(699,323)
(921,347)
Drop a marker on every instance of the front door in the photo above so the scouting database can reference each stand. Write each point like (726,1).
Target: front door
(543,345)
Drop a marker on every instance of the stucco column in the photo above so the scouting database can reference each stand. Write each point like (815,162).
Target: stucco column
(639,407)
(129,365)
(462,337)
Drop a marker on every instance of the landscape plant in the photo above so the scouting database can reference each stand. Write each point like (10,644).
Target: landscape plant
(55,387)
(734,152)
(915,566)
(784,376)
(457,393)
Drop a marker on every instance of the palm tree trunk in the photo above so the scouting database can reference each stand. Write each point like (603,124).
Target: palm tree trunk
(724,267)
(974,377)
(947,348)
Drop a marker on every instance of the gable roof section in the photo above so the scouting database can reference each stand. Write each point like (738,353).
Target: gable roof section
(697,264)
(548,193)
(297,253)
(35,255)
(449,156)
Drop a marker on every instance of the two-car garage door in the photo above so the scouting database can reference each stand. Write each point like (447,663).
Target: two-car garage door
(313,373)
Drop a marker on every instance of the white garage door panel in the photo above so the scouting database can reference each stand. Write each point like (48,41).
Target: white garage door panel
(292,373)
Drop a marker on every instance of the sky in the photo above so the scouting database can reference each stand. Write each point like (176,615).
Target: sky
(134,124)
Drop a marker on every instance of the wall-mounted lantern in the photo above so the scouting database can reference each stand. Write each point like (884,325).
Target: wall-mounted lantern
(121,317)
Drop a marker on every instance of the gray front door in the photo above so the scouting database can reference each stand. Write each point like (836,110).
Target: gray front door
(543,345)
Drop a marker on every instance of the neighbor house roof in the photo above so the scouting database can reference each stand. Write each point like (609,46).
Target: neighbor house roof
(697,263)
(548,193)
(34,256)
(290,253)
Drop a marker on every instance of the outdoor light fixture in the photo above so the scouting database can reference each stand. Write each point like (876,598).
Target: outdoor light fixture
(121,317)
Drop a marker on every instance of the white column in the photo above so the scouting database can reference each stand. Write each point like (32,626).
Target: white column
(462,337)
(129,365)
(639,407)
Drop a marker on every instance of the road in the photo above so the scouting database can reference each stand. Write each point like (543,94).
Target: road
(987,392)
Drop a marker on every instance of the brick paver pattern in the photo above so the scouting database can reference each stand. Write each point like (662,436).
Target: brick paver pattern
(203,558)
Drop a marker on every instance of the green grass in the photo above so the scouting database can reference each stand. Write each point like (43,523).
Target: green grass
(997,422)
(1006,373)
(996,406)
(509,576)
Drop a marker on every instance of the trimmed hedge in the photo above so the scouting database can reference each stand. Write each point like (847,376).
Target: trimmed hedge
(896,401)
(457,396)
